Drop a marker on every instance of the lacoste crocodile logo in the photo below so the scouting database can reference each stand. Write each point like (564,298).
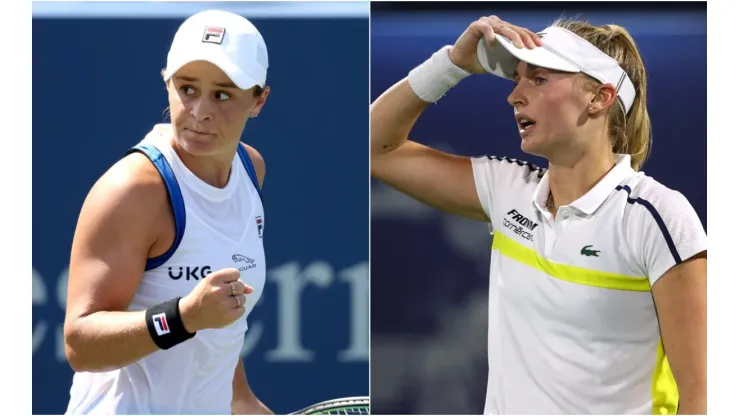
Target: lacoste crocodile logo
(586,251)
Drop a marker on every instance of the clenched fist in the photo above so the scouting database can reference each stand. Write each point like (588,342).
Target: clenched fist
(215,302)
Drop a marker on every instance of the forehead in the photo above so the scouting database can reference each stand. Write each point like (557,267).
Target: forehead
(524,68)
(203,71)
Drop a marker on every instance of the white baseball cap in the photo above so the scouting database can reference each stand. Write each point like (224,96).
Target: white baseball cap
(224,39)
(562,50)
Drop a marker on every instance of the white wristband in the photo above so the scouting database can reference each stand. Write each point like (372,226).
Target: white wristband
(437,75)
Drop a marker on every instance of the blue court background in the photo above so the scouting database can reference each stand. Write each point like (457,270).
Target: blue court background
(430,270)
(97,91)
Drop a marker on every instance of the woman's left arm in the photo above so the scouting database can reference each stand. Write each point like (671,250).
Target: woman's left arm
(670,246)
(244,402)
(681,301)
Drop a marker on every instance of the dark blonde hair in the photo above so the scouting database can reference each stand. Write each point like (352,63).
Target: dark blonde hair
(629,134)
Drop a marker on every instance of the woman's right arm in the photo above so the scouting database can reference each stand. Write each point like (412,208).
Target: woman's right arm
(436,178)
(116,228)
(433,177)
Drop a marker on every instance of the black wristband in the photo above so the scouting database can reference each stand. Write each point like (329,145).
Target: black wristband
(165,324)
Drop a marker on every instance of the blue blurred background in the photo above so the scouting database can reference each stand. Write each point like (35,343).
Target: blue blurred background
(97,91)
(430,270)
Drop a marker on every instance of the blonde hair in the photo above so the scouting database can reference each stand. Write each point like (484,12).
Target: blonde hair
(631,135)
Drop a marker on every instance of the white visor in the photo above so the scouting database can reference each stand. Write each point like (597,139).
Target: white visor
(562,50)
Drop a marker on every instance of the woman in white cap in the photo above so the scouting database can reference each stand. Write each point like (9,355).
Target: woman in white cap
(598,272)
(167,259)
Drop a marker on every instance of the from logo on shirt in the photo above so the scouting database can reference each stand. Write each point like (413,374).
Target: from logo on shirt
(520,224)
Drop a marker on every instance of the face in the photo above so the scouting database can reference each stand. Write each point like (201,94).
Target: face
(208,111)
(551,109)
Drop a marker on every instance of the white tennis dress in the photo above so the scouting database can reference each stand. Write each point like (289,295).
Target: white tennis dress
(572,324)
(216,229)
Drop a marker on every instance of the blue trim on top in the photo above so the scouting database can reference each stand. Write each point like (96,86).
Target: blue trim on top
(247,162)
(532,167)
(658,219)
(173,191)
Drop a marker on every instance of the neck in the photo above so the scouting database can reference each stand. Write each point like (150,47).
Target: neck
(570,181)
(212,169)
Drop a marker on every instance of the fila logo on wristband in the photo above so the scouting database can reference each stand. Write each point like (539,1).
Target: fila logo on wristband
(160,324)
(165,326)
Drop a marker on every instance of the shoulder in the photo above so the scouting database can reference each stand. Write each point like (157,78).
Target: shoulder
(129,202)
(651,201)
(662,228)
(504,180)
(131,185)
(133,175)
(511,163)
(507,171)
(257,161)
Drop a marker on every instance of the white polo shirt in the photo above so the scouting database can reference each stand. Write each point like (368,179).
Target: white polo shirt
(572,324)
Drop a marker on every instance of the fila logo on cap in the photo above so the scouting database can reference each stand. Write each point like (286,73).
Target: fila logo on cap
(214,35)
(160,324)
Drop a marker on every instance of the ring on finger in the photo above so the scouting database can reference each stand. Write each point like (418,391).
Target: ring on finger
(233,289)
(238,302)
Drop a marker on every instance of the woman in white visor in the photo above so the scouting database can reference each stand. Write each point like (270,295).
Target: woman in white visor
(598,271)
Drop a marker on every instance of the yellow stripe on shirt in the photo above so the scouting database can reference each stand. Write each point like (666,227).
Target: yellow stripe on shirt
(525,255)
(665,390)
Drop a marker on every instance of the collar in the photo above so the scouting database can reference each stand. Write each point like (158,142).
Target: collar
(592,200)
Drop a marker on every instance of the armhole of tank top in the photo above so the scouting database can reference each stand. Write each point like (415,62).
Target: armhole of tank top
(247,162)
(174,194)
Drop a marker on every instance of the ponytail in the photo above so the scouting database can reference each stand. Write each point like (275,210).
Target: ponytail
(630,134)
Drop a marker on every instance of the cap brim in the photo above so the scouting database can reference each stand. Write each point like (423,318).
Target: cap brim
(502,58)
(218,58)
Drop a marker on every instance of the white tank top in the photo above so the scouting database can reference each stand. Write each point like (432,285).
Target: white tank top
(216,228)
